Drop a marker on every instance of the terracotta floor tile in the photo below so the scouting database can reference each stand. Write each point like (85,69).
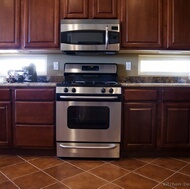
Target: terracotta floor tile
(9,160)
(110,186)
(186,159)
(46,162)
(63,171)
(2,178)
(178,181)
(133,181)
(34,181)
(109,172)
(17,170)
(154,172)
(146,159)
(169,163)
(56,186)
(84,181)
(129,163)
(162,186)
(30,157)
(86,164)
(186,170)
(8,185)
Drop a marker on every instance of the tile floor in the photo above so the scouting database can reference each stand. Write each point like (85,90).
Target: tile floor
(33,172)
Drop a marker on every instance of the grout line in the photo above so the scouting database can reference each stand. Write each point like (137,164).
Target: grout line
(8,180)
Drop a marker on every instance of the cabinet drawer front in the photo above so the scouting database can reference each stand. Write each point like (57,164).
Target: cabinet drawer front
(5,94)
(136,94)
(34,112)
(176,94)
(35,94)
(34,136)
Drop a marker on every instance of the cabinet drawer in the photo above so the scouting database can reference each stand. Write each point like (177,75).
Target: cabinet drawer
(34,136)
(138,94)
(5,94)
(35,94)
(176,95)
(34,112)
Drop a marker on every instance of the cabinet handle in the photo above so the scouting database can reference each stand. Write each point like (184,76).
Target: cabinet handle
(106,38)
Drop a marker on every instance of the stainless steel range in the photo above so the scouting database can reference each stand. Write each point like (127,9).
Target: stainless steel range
(88,111)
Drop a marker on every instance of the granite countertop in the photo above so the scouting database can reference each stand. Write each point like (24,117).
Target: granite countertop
(29,84)
(155,84)
(53,84)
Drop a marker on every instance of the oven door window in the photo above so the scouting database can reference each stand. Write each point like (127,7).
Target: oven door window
(88,117)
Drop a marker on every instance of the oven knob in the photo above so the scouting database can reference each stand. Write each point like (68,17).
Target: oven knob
(103,90)
(111,90)
(73,90)
(65,90)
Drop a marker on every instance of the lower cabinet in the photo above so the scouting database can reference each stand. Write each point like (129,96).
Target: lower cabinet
(5,124)
(139,118)
(175,128)
(5,118)
(156,121)
(139,125)
(34,118)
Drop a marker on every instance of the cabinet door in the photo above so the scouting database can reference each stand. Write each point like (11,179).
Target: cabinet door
(5,124)
(104,8)
(74,8)
(142,24)
(176,125)
(139,125)
(178,34)
(41,24)
(9,23)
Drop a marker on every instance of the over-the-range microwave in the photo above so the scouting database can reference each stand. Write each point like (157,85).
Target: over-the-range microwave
(90,36)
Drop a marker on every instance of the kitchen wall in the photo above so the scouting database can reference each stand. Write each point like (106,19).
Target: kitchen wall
(120,59)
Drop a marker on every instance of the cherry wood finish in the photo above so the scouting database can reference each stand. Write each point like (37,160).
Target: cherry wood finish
(41,24)
(176,118)
(142,24)
(139,118)
(74,8)
(178,22)
(10,23)
(5,118)
(105,8)
(89,9)
(34,117)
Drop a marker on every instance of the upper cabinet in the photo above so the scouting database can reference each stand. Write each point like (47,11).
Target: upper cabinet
(178,22)
(37,20)
(142,24)
(41,24)
(89,9)
(10,23)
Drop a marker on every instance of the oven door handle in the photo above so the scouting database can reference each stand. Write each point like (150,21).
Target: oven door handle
(88,146)
(90,97)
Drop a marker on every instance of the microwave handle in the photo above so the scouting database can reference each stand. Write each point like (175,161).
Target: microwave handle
(106,39)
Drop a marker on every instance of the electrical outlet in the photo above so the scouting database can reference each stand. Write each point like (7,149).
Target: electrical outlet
(128,65)
(56,65)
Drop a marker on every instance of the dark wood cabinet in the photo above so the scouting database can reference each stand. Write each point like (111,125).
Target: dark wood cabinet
(89,9)
(175,128)
(139,119)
(34,118)
(5,118)
(142,24)
(41,24)
(178,22)
(10,23)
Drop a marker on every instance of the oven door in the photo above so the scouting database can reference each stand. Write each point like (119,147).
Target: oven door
(88,121)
